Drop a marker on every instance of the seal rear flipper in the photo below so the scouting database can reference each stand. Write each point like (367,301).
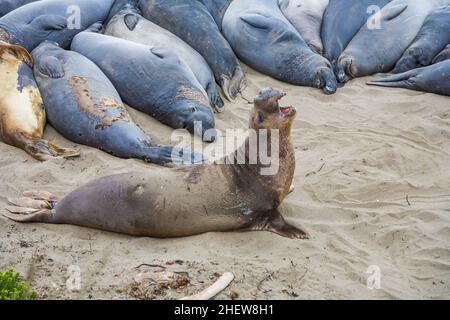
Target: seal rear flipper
(402,80)
(172,156)
(275,223)
(44,150)
(20,214)
(33,207)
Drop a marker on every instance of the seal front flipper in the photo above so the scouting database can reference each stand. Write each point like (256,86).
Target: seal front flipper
(394,12)
(49,22)
(51,67)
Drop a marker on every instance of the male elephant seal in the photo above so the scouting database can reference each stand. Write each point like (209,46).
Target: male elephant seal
(152,80)
(375,50)
(6,6)
(432,39)
(443,55)
(54,20)
(83,105)
(264,39)
(130,25)
(185,201)
(434,79)
(22,114)
(306,17)
(342,20)
(191,21)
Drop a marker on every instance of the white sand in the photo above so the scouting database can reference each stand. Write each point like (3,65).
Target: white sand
(360,155)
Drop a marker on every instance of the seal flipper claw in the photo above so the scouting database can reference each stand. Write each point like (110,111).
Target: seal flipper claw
(44,150)
(30,208)
(51,67)
(231,87)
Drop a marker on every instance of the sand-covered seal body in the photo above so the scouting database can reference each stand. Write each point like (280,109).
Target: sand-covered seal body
(22,113)
(191,21)
(186,201)
(83,105)
(434,78)
(443,55)
(53,20)
(265,40)
(431,40)
(306,17)
(6,6)
(152,80)
(130,25)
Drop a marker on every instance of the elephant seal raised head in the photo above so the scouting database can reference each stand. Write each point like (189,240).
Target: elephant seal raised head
(264,39)
(185,201)
(6,6)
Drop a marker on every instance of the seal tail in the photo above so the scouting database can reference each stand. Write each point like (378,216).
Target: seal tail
(32,207)
(44,150)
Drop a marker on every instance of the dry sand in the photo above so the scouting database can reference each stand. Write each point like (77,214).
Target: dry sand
(372,187)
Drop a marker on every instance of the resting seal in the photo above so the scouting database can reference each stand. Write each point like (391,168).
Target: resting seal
(22,113)
(191,21)
(152,80)
(432,39)
(83,105)
(434,79)
(10,5)
(443,55)
(265,40)
(186,201)
(130,25)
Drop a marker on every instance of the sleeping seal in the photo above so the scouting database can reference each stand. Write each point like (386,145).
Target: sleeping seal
(10,5)
(130,25)
(434,79)
(22,114)
(191,21)
(184,201)
(341,21)
(375,50)
(306,17)
(443,55)
(432,39)
(36,22)
(82,104)
(152,80)
(265,40)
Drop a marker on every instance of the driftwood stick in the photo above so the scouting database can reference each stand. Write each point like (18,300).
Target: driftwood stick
(213,290)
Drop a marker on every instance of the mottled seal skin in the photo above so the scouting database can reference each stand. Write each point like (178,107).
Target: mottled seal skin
(178,16)
(336,35)
(36,22)
(152,80)
(434,79)
(281,52)
(130,25)
(375,50)
(432,39)
(83,105)
(6,6)
(443,55)
(185,201)
(22,113)
(306,17)
(217,9)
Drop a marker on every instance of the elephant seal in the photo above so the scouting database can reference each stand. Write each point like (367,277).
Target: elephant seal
(178,16)
(336,34)
(10,5)
(152,80)
(432,39)
(306,17)
(184,201)
(130,25)
(443,55)
(434,79)
(22,113)
(375,50)
(281,51)
(217,9)
(83,105)
(51,20)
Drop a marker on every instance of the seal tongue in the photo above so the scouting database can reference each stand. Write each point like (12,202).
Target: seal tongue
(285,111)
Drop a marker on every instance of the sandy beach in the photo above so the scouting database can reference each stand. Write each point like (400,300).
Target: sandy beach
(372,188)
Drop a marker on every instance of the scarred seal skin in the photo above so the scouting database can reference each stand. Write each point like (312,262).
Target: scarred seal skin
(191,21)
(185,201)
(83,105)
(432,39)
(443,55)
(53,20)
(6,6)
(22,113)
(281,52)
(152,80)
(130,25)
(434,79)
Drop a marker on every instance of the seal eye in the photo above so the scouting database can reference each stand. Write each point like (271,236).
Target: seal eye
(260,117)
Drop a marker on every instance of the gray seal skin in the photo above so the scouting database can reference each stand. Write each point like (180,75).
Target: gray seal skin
(83,105)
(130,25)
(6,6)
(443,55)
(336,35)
(217,9)
(434,79)
(432,39)
(281,52)
(306,17)
(178,16)
(152,80)
(183,201)
(375,50)
(36,22)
